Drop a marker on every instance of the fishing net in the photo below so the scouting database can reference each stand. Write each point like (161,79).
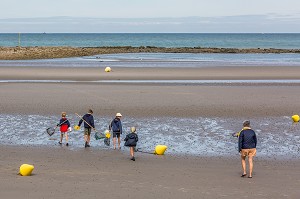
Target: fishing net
(50,131)
(99,136)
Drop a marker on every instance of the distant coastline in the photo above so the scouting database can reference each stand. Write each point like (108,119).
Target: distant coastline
(27,53)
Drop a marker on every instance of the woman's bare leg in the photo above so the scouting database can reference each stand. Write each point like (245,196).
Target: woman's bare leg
(243,158)
(250,159)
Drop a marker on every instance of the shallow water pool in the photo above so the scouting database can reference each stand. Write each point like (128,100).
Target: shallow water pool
(277,136)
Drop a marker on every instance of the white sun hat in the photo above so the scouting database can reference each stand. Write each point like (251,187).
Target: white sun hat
(118,115)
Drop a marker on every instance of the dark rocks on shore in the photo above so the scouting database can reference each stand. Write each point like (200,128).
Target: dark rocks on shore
(22,53)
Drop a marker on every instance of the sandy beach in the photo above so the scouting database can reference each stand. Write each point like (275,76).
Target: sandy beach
(61,172)
(92,173)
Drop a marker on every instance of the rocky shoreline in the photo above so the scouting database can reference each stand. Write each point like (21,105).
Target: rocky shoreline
(25,53)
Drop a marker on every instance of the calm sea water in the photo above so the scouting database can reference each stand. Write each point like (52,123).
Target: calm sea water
(287,41)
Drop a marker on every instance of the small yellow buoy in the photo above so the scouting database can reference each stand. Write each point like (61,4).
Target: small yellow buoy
(26,169)
(295,118)
(76,128)
(160,149)
(107,69)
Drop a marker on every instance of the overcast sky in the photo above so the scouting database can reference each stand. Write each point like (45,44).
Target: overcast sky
(150,15)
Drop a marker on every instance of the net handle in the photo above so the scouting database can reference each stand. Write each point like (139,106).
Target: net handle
(86,122)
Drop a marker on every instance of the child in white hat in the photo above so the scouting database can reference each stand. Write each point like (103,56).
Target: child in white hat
(116,127)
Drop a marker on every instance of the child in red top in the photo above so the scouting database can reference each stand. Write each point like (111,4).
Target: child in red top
(64,127)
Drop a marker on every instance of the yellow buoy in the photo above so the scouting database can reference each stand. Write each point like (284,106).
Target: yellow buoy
(26,169)
(160,149)
(295,118)
(76,128)
(107,69)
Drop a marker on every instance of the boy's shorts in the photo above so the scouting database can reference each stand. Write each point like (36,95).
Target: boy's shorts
(248,152)
(87,131)
(116,134)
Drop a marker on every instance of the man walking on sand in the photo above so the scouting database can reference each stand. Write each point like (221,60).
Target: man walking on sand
(247,147)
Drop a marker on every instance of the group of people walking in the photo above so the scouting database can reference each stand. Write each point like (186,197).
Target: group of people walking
(247,140)
(115,126)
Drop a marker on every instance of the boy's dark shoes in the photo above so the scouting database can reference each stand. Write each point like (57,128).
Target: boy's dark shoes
(85,145)
(244,175)
(59,143)
(133,159)
(67,144)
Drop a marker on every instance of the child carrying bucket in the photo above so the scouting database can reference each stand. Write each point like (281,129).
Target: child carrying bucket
(130,141)
(64,127)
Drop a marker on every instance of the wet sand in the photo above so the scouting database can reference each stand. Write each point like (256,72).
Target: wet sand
(90,173)
(138,73)
(93,173)
(143,100)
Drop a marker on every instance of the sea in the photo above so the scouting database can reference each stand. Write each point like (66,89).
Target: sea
(278,137)
(217,40)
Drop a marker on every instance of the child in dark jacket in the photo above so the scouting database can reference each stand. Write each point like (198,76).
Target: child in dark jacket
(116,127)
(131,141)
(64,125)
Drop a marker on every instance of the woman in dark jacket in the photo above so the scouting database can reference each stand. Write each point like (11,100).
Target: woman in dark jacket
(130,141)
(247,147)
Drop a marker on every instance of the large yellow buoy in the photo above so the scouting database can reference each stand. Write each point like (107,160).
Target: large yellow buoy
(107,69)
(26,169)
(295,118)
(160,149)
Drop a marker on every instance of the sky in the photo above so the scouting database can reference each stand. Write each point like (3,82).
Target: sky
(150,16)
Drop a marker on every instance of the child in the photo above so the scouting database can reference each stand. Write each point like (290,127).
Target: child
(64,126)
(131,140)
(116,127)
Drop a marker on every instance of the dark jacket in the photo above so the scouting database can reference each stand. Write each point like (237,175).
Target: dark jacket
(247,139)
(89,119)
(63,121)
(131,139)
(116,125)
